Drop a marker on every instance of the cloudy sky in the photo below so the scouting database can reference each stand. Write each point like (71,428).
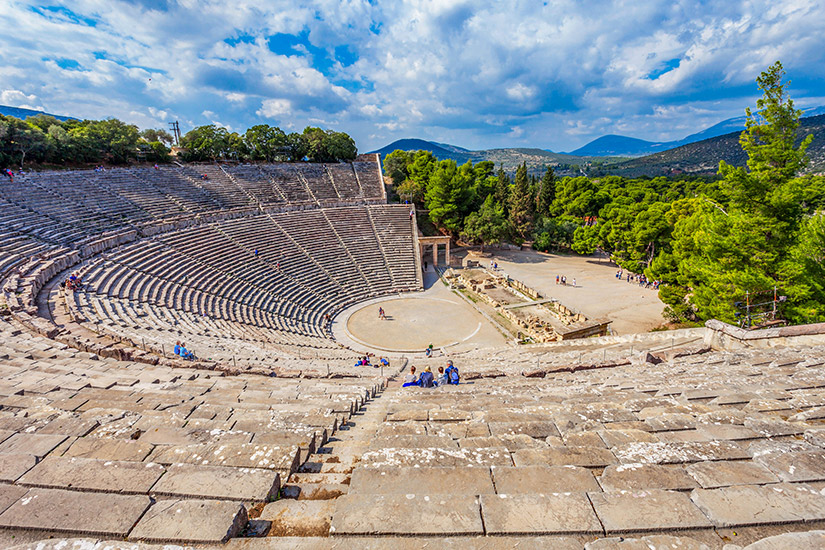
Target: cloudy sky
(473,73)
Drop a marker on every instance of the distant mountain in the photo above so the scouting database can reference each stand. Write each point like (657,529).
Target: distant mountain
(537,160)
(702,157)
(441,151)
(23,114)
(614,145)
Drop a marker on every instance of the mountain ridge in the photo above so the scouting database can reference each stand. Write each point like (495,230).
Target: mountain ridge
(619,145)
(23,114)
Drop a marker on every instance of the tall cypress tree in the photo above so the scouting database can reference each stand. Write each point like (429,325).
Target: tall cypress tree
(546,194)
(502,191)
(521,204)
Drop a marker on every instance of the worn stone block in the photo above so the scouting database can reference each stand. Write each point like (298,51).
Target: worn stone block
(109,449)
(239,455)
(190,521)
(412,442)
(631,477)
(93,475)
(588,457)
(538,514)
(543,479)
(648,510)
(723,474)
(796,466)
(104,514)
(406,480)
(538,430)
(406,515)
(12,466)
(218,483)
(760,504)
(453,458)
(679,452)
(33,444)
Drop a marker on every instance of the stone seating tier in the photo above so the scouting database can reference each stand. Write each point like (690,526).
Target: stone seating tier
(115,449)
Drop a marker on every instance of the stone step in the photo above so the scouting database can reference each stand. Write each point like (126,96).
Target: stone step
(299,518)
(319,478)
(314,491)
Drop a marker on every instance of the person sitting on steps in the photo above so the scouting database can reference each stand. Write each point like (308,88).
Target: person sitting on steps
(426,379)
(442,378)
(411,379)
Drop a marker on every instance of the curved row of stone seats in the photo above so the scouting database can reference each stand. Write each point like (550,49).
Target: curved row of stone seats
(390,226)
(718,447)
(224,190)
(117,449)
(298,275)
(213,339)
(368,173)
(92,201)
(344,179)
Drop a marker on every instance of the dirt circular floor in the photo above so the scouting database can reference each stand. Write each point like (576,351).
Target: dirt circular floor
(413,323)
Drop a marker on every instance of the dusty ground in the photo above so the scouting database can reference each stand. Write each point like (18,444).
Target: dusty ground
(436,316)
(597,292)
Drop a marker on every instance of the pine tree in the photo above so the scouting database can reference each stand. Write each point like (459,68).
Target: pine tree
(723,251)
(521,205)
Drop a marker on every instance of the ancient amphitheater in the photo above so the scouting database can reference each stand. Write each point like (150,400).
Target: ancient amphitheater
(707,438)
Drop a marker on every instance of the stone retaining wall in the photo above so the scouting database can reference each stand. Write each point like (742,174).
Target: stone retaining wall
(723,336)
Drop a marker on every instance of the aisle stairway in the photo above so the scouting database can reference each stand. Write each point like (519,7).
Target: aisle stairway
(308,498)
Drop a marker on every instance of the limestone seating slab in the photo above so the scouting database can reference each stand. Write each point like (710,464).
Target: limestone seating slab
(190,521)
(711,475)
(631,477)
(543,479)
(588,457)
(432,480)
(760,504)
(536,514)
(239,455)
(433,457)
(218,483)
(109,449)
(104,514)
(93,475)
(406,515)
(679,452)
(13,465)
(33,444)
(648,510)
(796,466)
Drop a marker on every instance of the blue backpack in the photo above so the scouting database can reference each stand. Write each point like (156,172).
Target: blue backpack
(452,374)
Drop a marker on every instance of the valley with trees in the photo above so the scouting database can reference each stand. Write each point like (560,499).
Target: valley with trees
(708,239)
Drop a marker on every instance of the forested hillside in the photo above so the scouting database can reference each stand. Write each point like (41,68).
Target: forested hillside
(703,157)
(709,240)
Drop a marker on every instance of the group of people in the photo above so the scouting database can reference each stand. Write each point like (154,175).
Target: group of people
(642,279)
(181,351)
(428,380)
(73,282)
(562,280)
(365,362)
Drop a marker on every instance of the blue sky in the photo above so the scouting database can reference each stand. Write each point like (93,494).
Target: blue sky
(478,73)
